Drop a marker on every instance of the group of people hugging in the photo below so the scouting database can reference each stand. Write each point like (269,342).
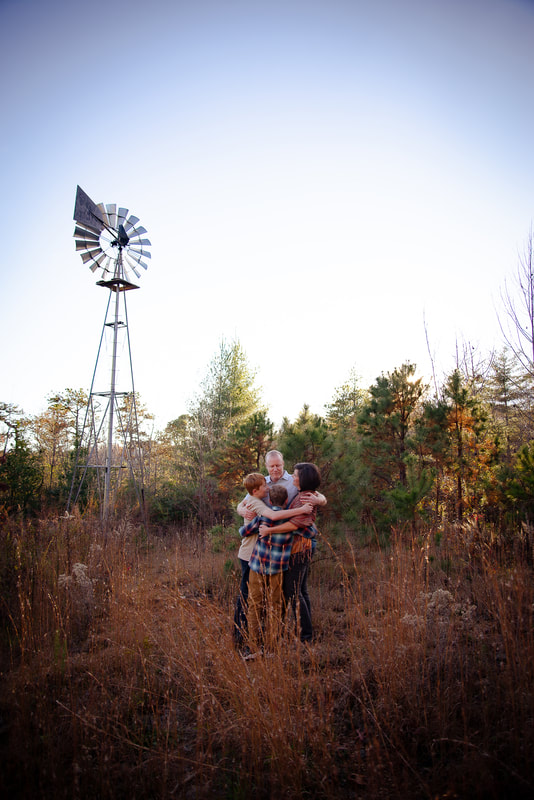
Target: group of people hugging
(278,540)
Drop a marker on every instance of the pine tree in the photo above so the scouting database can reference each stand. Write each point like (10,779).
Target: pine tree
(346,473)
(432,444)
(346,404)
(241,452)
(228,393)
(385,427)
(520,485)
(471,452)
(386,420)
(228,398)
(306,439)
(21,475)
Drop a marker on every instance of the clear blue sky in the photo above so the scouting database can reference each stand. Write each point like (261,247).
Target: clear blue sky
(317,180)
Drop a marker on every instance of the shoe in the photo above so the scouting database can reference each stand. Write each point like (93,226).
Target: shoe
(252,656)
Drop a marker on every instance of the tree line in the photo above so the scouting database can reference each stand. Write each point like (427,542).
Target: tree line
(394,453)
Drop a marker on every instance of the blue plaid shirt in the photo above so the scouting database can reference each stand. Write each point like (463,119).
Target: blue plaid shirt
(271,553)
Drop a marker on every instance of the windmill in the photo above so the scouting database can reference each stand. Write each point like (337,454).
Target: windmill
(110,241)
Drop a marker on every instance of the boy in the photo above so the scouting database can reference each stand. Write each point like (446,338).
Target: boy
(258,490)
(268,561)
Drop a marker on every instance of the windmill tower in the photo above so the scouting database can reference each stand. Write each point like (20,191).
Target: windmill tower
(111,242)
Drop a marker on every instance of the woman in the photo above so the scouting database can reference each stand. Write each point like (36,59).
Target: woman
(307,479)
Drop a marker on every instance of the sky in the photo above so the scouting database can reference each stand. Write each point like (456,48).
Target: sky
(338,185)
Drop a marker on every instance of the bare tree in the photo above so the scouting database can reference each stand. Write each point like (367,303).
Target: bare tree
(518,323)
(474,366)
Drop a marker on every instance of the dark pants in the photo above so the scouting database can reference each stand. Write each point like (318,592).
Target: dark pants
(240,613)
(296,595)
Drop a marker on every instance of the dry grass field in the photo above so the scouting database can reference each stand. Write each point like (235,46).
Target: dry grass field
(119,677)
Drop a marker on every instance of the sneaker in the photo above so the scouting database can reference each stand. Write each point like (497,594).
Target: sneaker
(252,656)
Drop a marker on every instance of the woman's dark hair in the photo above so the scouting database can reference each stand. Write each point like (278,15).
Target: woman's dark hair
(309,477)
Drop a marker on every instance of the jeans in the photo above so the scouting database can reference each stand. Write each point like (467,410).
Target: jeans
(296,593)
(240,613)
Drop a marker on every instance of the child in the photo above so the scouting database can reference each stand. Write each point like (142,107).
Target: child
(268,560)
(257,488)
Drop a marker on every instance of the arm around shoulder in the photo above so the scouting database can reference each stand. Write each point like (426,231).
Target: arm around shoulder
(263,510)
(315,498)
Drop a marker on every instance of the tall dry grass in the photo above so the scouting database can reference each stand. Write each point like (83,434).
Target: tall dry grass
(120,677)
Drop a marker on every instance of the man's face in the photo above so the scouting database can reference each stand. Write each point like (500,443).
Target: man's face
(275,467)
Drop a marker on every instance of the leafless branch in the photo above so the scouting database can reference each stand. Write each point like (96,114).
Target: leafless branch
(518,324)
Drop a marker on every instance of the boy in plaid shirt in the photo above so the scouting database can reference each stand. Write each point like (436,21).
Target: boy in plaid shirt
(269,560)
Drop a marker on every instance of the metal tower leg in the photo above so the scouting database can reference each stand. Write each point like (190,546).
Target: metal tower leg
(120,431)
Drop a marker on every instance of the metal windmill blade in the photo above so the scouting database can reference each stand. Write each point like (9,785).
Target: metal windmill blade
(131,265)
(111,209)
(109,238)
(130,222)
(122,213)
(138,257)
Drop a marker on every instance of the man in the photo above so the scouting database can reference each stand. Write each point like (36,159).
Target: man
(274,461)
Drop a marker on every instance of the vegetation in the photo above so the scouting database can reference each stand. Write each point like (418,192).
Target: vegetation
(120,679)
